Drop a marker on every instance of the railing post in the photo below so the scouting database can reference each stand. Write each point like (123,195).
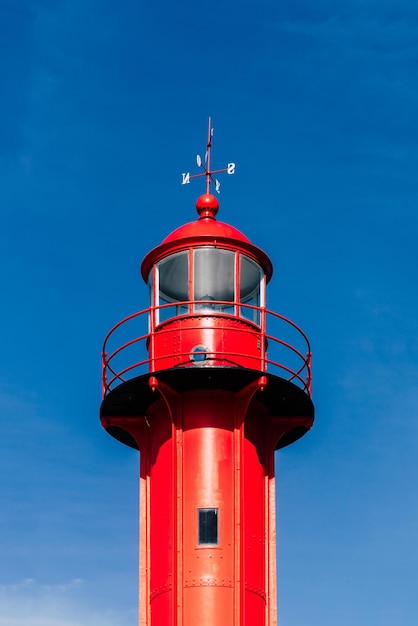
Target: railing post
(151,338)
(152,314)
(263,320)
(104,375)
(309,373)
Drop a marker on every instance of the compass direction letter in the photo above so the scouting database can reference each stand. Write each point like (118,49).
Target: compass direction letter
(185,178)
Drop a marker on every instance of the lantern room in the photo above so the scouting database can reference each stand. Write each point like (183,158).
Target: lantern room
(207,285)
(207,312)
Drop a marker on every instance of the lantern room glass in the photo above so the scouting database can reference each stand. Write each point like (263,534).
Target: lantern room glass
(214,280)
(173,285)
(207,280)
(249,287)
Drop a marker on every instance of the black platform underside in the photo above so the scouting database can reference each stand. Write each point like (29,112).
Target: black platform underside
(133,397)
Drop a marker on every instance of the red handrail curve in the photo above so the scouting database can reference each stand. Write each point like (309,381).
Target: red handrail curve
(301,375)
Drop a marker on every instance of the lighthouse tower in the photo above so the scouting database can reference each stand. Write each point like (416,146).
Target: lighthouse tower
(207,383)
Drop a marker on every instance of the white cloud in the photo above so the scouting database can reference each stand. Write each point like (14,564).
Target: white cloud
(29,603)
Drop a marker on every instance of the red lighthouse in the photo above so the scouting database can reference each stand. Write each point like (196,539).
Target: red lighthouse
(207,383)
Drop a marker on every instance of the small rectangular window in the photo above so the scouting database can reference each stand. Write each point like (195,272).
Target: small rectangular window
(208,526)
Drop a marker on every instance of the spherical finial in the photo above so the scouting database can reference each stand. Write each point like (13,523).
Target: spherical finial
(207,206)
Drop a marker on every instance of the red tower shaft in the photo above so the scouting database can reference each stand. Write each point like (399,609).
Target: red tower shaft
(207,415)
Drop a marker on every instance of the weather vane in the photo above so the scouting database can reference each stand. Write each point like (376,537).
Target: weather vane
(207,172)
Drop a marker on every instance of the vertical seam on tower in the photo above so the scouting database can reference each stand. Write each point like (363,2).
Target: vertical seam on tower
(238,512)
(145,539)
(267,522)
(148,531)
(271,541)
(178,495)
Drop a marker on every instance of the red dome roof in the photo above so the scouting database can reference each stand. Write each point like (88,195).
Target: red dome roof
(206,226)
(205,231)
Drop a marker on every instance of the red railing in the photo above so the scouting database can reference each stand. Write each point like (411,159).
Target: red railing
(283,358)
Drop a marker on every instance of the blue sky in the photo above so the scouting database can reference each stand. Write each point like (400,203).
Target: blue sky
(103,105)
